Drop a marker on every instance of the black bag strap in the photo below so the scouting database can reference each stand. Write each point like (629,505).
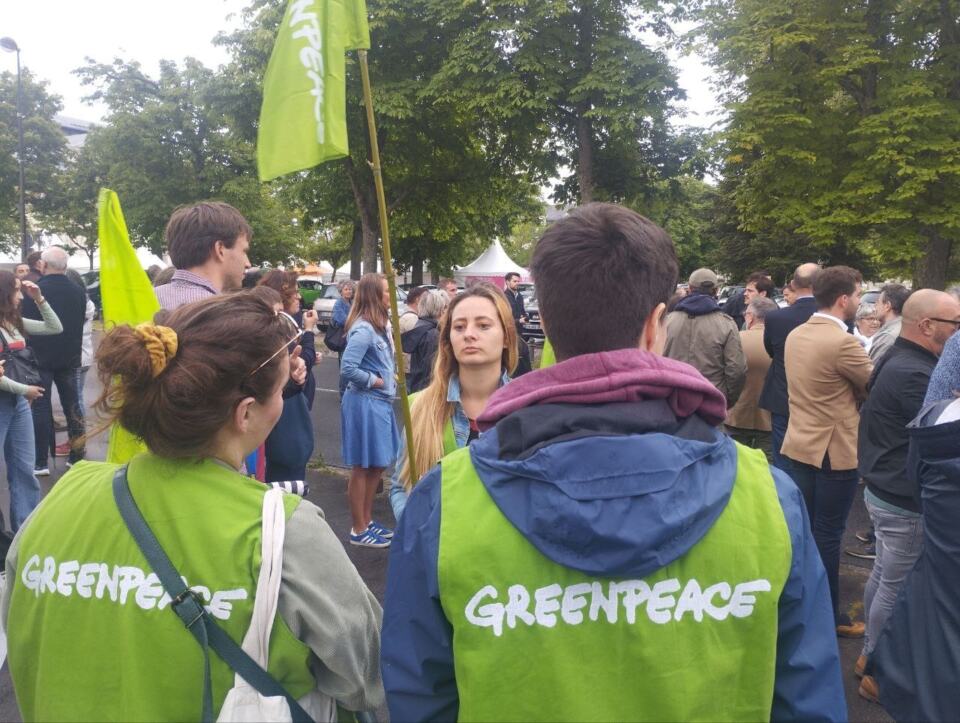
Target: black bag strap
(188,606)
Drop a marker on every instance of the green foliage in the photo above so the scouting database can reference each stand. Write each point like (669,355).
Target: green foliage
(167,143)
(569,84)
(45,152)
(684,207)
(843,138)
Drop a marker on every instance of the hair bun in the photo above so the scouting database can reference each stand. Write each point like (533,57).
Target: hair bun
(160,342)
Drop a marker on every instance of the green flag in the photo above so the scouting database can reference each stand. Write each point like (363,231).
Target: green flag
(127,297)
(126,292)
(303,119)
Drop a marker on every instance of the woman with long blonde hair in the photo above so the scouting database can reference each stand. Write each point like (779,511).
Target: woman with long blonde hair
(477,353)
(368,428)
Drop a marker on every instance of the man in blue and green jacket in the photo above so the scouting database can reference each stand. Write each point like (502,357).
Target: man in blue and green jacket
(604,551)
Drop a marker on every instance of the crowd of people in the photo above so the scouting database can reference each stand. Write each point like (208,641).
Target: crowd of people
(646,527)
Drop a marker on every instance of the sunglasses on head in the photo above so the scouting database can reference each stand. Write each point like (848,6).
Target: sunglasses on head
(298,332)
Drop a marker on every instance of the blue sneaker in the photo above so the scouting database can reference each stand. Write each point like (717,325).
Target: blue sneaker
(385,532)
(368,538)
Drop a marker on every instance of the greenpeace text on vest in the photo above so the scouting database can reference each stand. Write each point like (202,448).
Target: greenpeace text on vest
(588,601)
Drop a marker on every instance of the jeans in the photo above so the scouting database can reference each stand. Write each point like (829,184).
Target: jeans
(899,543)
(828,495)
(16,431)
(778,423)
(81,381)
(66,381)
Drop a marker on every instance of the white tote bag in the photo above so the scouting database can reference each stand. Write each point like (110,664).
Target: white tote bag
(243,703)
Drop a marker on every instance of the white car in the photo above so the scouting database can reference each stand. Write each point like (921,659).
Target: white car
(328,298)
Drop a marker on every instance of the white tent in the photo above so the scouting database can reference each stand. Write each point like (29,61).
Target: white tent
(490,266)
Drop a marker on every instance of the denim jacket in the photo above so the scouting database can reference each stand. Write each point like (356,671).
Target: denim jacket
(367,357)
(461,431)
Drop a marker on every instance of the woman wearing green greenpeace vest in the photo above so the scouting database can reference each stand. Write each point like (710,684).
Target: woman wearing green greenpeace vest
(476,355)
(89,635)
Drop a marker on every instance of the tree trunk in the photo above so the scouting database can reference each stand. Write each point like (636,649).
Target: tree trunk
(356,249)
(364,196)
(416,273)
(931,269)
(585,33)
(585,159)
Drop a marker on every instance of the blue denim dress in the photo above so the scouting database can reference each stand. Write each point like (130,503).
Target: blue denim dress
(369,433)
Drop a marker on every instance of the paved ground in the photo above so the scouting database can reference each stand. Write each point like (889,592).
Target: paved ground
(328,490)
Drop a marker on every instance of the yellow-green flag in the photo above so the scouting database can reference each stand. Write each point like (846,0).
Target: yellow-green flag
(127,297)
(303,119)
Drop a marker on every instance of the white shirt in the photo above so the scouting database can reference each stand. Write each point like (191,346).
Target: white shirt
(842,324)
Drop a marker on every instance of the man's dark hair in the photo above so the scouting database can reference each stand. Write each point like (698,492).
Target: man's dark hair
(625,265)
(32,258)
(763,283)
(415,293)
(896,295)
(832,283)
(193,230)
(511,275)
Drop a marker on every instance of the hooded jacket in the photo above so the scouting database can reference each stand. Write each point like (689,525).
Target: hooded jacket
(701,335)
(915,659)
(663,487)
(421,343)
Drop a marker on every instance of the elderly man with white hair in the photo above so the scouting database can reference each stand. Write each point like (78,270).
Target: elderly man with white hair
(58,357)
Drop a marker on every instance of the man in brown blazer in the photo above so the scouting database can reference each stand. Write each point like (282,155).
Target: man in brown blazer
(746,422)
(827,375)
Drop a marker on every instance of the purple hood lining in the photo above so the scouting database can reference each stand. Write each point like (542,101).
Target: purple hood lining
(625,375)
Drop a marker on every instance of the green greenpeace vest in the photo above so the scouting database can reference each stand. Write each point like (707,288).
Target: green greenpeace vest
(536,641)
(90,636)
(449,437)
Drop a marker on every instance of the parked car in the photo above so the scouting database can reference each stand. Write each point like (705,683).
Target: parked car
(531,328)
(91,280)
(870,297)
(328,298)
(310,288)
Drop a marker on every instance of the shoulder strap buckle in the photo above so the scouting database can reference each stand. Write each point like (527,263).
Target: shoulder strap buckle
(192,605)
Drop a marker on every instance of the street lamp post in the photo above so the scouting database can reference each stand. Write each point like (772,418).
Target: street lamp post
(10,45)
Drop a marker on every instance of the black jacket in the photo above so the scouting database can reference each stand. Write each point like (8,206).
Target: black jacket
(777,328)
(914,661)
(421,344)
(897,388)
(516,303)
(69,301)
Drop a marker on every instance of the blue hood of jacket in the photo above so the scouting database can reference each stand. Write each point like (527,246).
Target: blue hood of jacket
(698,305)
(629,487)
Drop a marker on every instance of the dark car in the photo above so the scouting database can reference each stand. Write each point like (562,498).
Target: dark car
(870,297)
(91,280)
(531,328)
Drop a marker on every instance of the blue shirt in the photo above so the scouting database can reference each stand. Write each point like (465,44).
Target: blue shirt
(341,310)
(367,357)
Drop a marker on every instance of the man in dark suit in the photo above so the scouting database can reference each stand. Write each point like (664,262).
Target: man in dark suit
(58,358)
(778,326)
(511,282)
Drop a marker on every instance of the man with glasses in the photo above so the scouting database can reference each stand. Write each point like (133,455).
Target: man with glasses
(896,393)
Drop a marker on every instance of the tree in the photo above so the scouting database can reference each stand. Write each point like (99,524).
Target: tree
(45,149)
(579,89)
(447,176)
(74,215)
(165,144)
(842,139)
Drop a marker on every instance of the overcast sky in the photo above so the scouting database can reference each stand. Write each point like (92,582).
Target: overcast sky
(56,35)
